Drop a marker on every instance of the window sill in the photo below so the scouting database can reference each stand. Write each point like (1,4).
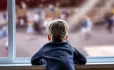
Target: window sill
(29,67)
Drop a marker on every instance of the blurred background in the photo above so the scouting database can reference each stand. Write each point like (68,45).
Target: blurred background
(91,25)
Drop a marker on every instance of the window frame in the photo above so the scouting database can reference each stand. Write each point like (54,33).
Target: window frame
(11,30)
(26,60)
(11,33)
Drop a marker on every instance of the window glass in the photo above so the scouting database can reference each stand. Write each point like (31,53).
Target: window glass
(3,29)
(90,25)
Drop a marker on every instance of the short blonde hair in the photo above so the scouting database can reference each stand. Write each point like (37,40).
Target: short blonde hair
(58,29)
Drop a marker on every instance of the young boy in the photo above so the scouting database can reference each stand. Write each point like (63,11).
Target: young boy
(58,54)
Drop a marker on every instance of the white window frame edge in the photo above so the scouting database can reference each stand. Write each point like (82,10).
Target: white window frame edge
(11,33)
(12,42)
(11,30)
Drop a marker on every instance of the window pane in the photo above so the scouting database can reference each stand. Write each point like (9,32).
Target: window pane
(3,29)
(90,24)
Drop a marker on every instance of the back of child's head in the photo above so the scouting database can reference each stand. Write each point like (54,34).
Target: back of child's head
(58,30)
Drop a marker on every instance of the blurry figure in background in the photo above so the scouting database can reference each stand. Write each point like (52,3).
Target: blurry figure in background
(86,27)
(4,35)
(49,15)
(42,15)
(17,16)
(21,12)
(21,22)
(38,22)
(64,14)
(24,6)
(68,12)
(5,17)
(50,12)
(47,20)
(30,30)
(57,11)
(4,31)
(41,12)
(36,19)
(109,21)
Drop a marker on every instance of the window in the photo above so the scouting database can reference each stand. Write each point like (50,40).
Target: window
(90,34)
(3,30)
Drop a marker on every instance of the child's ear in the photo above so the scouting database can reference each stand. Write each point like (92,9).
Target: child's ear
(49,38)
(66,38)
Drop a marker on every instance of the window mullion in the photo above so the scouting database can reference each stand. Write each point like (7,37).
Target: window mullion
(11,30)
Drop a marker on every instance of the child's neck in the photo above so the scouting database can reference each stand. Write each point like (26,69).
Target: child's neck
(58,41)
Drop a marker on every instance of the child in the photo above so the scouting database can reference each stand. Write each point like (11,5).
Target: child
(58,54)
(30,30)
(4,34)
(109,21)
(86,27)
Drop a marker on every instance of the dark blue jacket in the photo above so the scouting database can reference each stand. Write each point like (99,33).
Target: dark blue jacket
(58,56)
